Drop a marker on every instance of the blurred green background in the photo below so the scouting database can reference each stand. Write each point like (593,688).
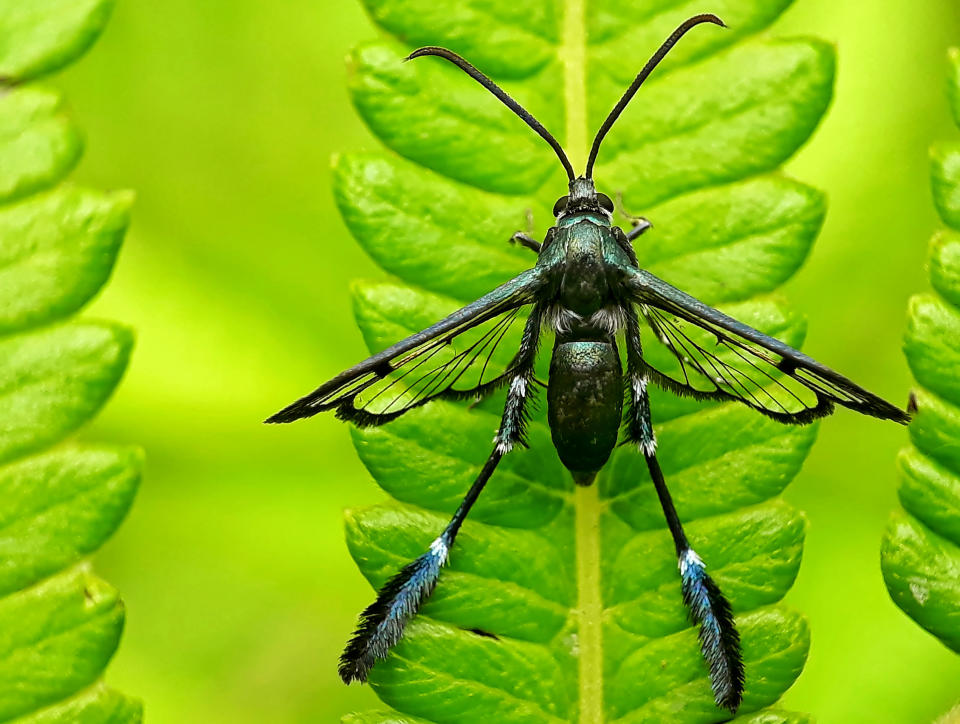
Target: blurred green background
(222,115)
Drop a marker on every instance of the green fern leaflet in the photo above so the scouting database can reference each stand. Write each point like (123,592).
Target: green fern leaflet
(563,604)
(61,500)
(920,554)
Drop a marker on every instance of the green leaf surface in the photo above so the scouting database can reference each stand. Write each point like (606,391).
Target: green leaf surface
(96,705)
(945,173)
(562,604)
(56,251)
(61,500)
(38,142)
(40,36)
(767,716)
(59,635)
(953,83)
(774,716)
(380,717)
(920,552)
(61,506)
(55,379)
(945,266)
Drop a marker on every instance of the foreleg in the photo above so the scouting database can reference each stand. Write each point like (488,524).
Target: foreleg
(526,240)
(640,225)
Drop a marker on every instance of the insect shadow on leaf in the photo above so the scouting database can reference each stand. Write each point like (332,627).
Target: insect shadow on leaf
(588,288)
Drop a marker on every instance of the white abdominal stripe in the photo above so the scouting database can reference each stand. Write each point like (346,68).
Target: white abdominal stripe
(382,623)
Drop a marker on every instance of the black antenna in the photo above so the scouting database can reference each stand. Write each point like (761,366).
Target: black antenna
(638,81)
(483,80)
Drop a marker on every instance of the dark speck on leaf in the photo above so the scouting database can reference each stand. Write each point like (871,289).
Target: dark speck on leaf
(486,634)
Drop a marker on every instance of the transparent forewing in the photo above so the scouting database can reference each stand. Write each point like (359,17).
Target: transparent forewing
(464,355)
(717,357)
(465,362)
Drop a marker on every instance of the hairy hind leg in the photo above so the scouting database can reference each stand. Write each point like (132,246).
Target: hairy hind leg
(382,622)
(719,639)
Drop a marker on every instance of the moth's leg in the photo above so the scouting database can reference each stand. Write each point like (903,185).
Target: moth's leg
(383,622)
(708,607)
(640,225)
(523,237)
(719,639)
(526,240)
(515,412)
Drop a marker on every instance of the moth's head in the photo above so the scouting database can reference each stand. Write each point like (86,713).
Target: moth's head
(583,198)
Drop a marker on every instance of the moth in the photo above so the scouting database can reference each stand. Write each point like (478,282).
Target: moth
(589,290)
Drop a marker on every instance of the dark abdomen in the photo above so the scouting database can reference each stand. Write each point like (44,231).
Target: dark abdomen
(584,404)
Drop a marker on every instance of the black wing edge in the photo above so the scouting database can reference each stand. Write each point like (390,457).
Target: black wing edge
(645,288)
(508,296)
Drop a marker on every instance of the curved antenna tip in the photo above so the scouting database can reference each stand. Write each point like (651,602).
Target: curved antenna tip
(711,18)
(655,59)
(704,18)
(501,95)
(425,50)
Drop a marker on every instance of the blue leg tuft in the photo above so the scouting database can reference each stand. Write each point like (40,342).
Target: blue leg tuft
(382,623)
(719,640)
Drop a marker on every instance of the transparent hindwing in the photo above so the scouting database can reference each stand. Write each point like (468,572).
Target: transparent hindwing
(718,357)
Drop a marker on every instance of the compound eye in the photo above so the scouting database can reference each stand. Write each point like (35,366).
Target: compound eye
(561,205)
(605,202)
